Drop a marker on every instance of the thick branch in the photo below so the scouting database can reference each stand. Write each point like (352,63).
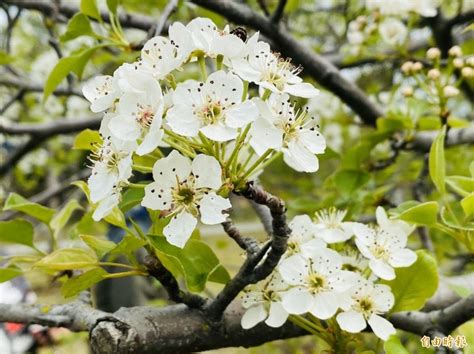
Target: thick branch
(316,66)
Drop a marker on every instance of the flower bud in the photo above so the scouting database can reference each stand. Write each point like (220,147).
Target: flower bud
(407,91)
(434,74)
(417,66)
(450,91)
(470,61)
(467,72)
(458,63)
(455,51)
(433,53)
(407,67)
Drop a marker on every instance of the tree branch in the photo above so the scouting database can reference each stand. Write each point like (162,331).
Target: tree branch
(315,65)
(423,140)
(278,14)
(33,87)
(246,243)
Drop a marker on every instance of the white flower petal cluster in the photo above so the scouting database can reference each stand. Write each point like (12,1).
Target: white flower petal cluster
(187,191)
(313,278)
(280,127)
(212,125)
(425,8)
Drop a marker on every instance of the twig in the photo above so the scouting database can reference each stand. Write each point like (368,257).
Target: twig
(167,11)
(35,87)
(278,14)
(246,243)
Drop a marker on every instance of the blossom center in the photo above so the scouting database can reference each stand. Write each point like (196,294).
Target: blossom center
(211,113)
(270,295)
(316,282)
(145,115)
(380,252)
(365,306)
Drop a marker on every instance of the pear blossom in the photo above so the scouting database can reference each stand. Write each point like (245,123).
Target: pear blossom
(104,206)
(393,31)
(214,107)
(425,8)
(318,284)
(302,239)
(262,302)
(272,72)
(161,55)
(331,227)
(295,133)
(212,41)
(384,245)
(186,190)
(368,302)
(139,115)
(101,92)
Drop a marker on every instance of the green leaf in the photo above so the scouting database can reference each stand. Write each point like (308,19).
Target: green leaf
(461,185)
(75,285)
(130,198)
(112,5)
(392,124)
(9,273)
(116,218)
(89,8)
(196,262)
(414,285)
(68,258)
(5,58)
(467,205)
(348,181)
(393,346)
(83,187)
(429,123)
(74,63)
(128,245)
(100,246)
(437,162)
(62,217)
(77,26)
(17,231)
(87,139)
(421,214)
(18,203)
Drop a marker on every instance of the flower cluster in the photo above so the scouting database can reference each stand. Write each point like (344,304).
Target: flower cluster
(222,131)
(313,278)
(386,17)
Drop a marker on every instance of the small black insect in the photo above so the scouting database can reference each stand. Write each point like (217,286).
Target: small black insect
(240,32)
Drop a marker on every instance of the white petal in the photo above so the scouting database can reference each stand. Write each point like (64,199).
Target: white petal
(265,136)
(125,127)
(293,270)
(253,316)
(167,169)
(297,301)
(402,258)
(277,315)
(302,225)
(382,269)
(208,172)
(219,132)
(105,206)
(242,68)
(181,120)
(151,142)
(363,233)
(381,327)
(325,305)
(180,228)
(212,207)
(383,297)
(157,197)
(313,141)
(100,183)
(300,158)
(351,321)
(241,114)
(303,89)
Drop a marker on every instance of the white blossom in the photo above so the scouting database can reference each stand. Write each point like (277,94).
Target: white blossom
(303,240)
(214,107)
(186,190)
(270,71)
(393,31)
(384,245)
(101,92)
(318,285)
(262,302)
(331,227)
(368,302)
(295,133)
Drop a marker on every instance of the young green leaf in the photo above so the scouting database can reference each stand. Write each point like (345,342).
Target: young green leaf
(89,8)
(113,5)
(421,214)
(87,139)
(77,26)
(5,58)
(467,205)
(18,203)
(100,246)
(68,258)
(461,185)
(62,217)
(9,273)
(196,262)
(437,162)
(128,245)
(348,181)
(74,286)
(393,346)
(414,285)
(17,231)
